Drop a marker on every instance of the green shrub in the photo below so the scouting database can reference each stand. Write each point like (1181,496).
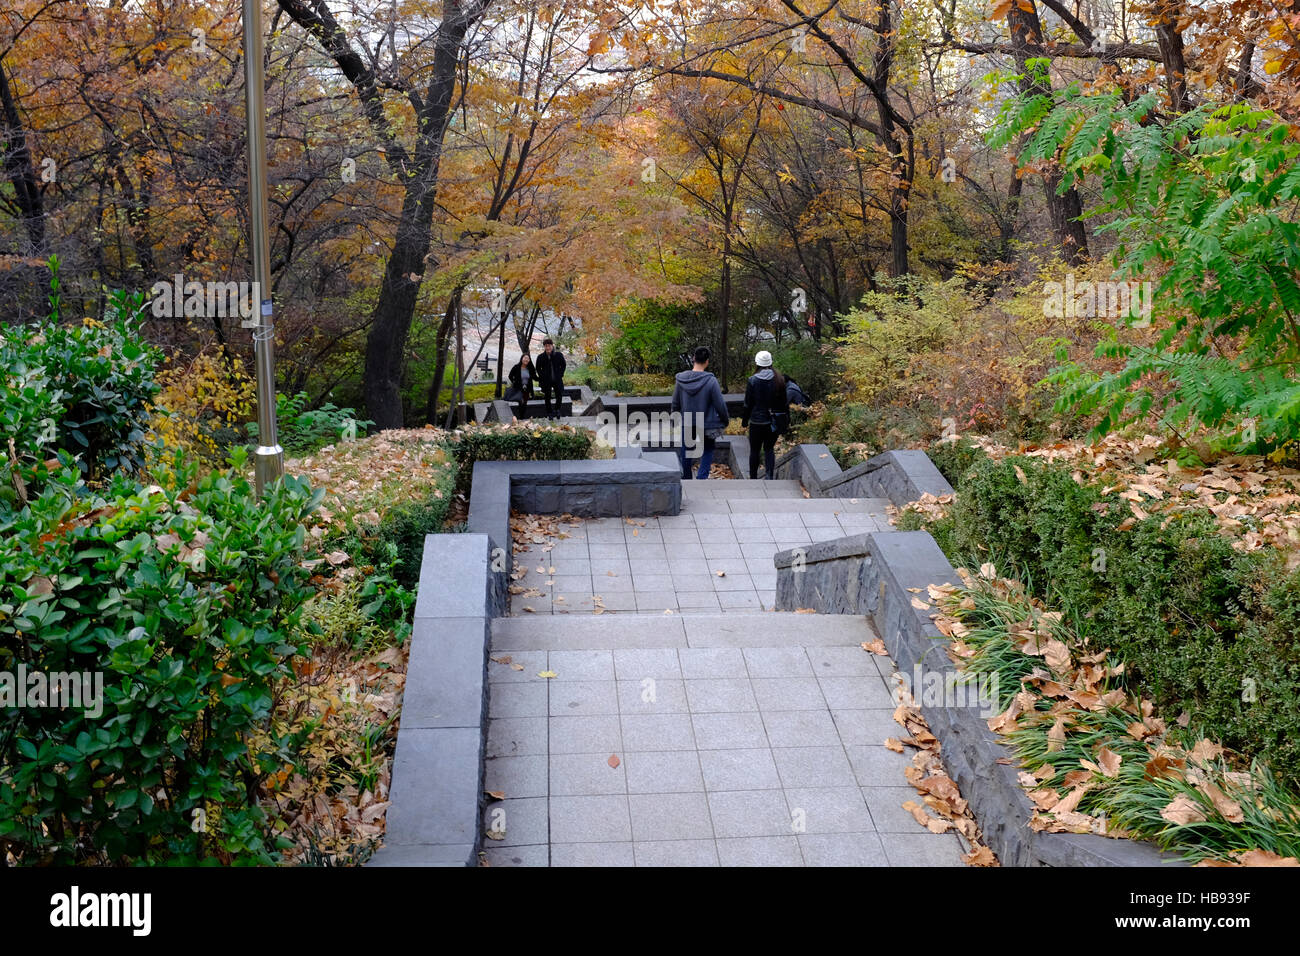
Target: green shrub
(396,544)
(1203,627)
(654,336)
(857,432)
(894,328)
(302,429)
(806,361)
(84,389)
(186,602)
(520,441)
(955,459)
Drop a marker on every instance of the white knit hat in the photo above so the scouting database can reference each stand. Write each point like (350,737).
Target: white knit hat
(763,359)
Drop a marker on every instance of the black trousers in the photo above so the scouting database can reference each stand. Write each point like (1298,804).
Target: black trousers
(559,398)
(762,441)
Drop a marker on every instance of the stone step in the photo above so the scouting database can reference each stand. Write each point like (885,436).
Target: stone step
(568,632)
(743,488)
(867,506)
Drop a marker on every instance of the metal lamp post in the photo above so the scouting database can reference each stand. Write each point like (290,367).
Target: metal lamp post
(269,456)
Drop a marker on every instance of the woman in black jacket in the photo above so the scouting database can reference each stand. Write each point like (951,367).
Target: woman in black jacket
(767,413)
(523,378)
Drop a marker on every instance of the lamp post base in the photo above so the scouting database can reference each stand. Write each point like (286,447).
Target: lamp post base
(268,465)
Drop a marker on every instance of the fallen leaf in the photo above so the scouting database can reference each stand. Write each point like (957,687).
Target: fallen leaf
(613,760)
(875,647)
(496,794)
(1162,765)
(1183,810)
(547,674)
(894,744)
(1205,751)
(1266,858)
(1109,762)
(1229,808)
(1056,736)
(1071,800)
(980,856)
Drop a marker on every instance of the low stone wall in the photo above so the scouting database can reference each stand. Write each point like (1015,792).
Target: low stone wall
(628,487)
(576,397)
(436,795)
(878,574)
(900,476)
(733,451)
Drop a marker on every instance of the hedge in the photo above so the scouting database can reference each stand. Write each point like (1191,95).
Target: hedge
(1204,628)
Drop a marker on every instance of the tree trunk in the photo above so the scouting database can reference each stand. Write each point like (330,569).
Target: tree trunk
(501,360)
(1007,228)
(440,366)
(724,304)
(418,174)
(19,168)
(1063,209)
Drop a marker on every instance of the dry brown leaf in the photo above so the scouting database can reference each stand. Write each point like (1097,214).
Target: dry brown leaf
(1109,762)
(1266,858)
(1205,751)
(1070,801)
(1229,808)
(894,744)
(980,856)
(1183,810)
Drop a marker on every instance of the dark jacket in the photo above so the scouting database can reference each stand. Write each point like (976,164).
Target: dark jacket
(517,379)
(794,394)
(763,396)
(698,393)
(550,370)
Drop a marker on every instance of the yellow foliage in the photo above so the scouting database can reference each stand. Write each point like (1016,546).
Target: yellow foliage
(975,347)
(198,401)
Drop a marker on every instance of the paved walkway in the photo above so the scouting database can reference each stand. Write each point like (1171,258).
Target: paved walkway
(683,726)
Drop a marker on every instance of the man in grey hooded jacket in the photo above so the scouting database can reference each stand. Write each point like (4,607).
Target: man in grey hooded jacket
(697,397)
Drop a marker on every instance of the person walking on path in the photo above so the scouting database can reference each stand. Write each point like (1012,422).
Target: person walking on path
(767,413)
(550,376)
(522,379)
(697,397)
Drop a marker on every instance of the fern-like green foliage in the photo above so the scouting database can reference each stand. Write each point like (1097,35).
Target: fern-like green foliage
(1204,205)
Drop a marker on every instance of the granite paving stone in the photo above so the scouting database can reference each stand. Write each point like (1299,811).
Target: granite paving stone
(676,853)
